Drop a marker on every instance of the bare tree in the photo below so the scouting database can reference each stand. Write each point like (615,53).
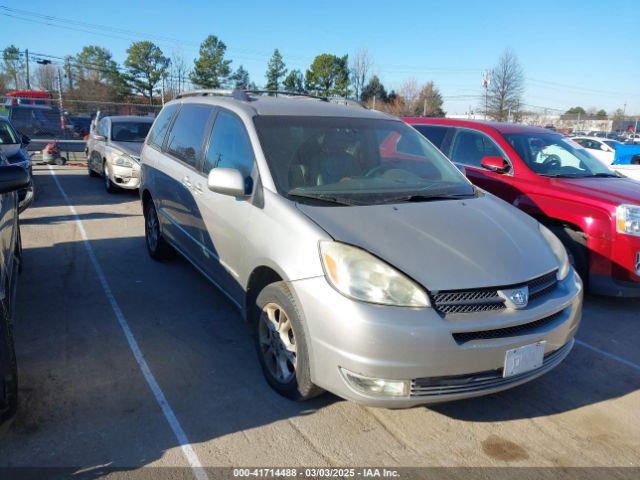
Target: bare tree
(361,65)
(409,91)
(46,77)
(506,87)
(179,72)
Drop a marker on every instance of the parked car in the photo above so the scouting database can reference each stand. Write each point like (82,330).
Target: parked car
(12,179)
(113,150)
(601,148)
(14,148)
(594,211)
(369,265)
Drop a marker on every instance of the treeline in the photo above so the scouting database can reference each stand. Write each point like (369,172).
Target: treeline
(93,75)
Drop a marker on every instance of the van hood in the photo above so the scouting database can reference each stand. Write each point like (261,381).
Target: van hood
(445,245)
(612,190)
(130,148)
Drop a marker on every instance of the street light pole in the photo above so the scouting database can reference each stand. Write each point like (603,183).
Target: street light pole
(26,54)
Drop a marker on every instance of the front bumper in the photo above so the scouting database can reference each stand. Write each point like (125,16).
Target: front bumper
(417,345)
(125,177)
(614,268)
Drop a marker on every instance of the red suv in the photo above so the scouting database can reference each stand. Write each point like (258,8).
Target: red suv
(593,210)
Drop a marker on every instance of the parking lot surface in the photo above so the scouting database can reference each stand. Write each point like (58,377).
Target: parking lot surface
(85,401)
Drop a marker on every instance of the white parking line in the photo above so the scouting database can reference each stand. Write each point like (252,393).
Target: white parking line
(183,441)
(610,356)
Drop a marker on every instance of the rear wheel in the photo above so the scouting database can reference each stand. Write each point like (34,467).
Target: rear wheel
(9,380)
(158,248)
(281,344)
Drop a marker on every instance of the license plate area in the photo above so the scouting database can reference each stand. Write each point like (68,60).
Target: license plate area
(523,359)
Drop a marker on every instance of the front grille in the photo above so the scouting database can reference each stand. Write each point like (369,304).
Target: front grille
(477,382)
(448,302)
(512,331)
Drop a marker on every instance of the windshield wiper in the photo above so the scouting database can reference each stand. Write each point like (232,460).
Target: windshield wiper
(324,198)
(605,175)
(425,197)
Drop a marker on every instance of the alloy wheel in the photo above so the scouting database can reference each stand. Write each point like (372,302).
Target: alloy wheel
(277,343)
(152,228)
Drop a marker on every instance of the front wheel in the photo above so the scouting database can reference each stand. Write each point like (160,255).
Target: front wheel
(109,186)
(281,344)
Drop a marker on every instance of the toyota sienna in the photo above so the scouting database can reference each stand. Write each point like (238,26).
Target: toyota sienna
(369,265)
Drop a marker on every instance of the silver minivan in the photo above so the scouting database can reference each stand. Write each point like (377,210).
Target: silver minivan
(367,262)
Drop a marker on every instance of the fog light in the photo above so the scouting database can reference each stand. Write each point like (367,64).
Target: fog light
(377,387)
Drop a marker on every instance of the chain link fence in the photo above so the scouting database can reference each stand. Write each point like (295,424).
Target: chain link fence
(68,123)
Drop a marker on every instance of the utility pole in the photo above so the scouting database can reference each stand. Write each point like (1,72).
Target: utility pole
(486,81)
(424,108)
(26,54)
(60,105)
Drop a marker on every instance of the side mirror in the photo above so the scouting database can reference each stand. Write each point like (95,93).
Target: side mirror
(495,164)
(25,140)
(228,181)
(461,167)
(12,178)
(100,138)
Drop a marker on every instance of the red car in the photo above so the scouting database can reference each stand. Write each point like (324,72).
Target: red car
(593,210)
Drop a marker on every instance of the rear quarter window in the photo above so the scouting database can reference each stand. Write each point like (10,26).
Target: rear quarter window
(186,138)
(435,134)
(161,125)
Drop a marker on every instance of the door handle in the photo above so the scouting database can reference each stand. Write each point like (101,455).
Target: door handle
(186,181)
(198,189)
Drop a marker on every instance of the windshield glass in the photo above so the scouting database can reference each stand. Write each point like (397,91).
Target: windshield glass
(129,131)
(355,161)
(553,155)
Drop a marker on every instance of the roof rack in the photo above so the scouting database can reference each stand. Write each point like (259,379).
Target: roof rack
(243,95)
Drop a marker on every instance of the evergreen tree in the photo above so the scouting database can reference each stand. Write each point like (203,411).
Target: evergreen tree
(146,65)
(374,89)
(276,70)
(211,70)
(240,78)
(328,75)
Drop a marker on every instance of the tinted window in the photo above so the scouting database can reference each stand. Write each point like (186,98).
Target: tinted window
(187,135)
(433,133)
(469,148)
(229,146)
(161,125)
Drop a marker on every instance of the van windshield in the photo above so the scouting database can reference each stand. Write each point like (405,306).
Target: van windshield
(356,161)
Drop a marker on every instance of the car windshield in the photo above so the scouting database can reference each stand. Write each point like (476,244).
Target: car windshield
(7,134)
(356,161)
(129,131)
(553,155)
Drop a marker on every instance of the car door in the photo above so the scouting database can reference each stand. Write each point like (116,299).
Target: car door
(224,218)
(179,214)
(468,148)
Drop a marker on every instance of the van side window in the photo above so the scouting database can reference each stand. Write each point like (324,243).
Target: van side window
(230,146)
(186,138)
(161,125)
(469,148)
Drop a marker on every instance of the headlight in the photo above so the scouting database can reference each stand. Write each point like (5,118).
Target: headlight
(361,276)
(558,250)
(628,219)
(124,161)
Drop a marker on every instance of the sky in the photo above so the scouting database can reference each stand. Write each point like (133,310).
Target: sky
(573,52)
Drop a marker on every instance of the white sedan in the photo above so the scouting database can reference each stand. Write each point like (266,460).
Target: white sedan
(604,149)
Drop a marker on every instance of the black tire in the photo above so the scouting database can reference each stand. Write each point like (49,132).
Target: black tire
(299,387)
(159,249)
(92,172)
(575,243)
(60,161)
(9,381)
(109,186)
